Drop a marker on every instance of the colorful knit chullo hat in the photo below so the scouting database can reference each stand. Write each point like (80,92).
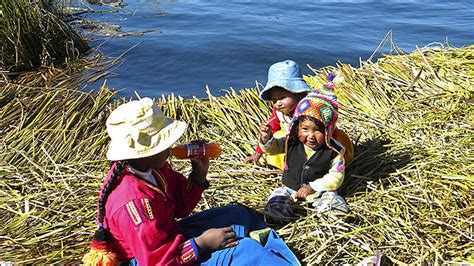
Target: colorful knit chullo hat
(321,105)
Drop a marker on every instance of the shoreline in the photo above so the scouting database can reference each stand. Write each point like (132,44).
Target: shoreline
(409,186)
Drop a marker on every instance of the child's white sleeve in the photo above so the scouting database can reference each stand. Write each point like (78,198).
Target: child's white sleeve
(333,179)
(273,146)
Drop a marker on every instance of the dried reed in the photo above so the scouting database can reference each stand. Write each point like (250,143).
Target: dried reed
(410,186)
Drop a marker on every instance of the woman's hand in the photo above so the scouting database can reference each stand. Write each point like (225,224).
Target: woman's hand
(265,132)
(215,238)
(304,191)
(253,158)
(200,166)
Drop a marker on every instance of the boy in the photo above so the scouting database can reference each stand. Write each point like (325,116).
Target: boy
(314,162)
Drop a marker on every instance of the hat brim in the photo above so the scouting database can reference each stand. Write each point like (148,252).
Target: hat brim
(291,85)
(167,136)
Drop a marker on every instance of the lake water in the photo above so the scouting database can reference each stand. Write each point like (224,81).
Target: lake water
(232,43)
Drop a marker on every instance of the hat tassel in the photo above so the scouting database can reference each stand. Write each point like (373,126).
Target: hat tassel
(98,254)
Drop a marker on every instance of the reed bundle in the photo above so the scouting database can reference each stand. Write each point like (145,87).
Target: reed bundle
(33,34)
(409,186)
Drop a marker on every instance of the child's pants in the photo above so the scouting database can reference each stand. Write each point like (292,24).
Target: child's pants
(281,205)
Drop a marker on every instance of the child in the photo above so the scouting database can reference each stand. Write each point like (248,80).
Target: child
(142,196)
(285,88)
(314,160)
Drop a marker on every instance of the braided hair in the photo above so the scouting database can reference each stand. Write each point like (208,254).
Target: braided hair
(99,253)
(101,234)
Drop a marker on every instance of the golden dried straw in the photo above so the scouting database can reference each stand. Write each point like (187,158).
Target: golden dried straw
(410,186)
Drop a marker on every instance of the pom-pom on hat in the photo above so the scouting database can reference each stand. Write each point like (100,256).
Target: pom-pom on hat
(287,75)
(138,129)
(99,254)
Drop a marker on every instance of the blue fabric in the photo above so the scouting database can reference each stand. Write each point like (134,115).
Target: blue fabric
(248,251)
(195,248)
(133,262)
(279,248)
(196,224)
(287,75)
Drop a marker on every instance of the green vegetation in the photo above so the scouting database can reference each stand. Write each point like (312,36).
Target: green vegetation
(410,186)
(34,34)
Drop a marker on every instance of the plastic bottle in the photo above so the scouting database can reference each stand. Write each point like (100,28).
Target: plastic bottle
(196,149)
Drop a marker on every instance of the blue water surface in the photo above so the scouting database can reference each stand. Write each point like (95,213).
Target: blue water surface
(232,43)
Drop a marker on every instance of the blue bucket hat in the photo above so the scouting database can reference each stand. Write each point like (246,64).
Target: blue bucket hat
(287,75)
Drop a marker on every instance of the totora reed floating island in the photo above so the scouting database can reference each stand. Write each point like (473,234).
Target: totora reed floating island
(410,187)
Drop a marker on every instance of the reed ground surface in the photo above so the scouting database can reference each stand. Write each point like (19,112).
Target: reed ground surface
(409,188)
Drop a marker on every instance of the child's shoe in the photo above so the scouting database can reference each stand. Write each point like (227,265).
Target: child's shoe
(330,202)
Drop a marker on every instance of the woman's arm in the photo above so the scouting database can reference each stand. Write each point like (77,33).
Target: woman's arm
(186,192)
(150,238)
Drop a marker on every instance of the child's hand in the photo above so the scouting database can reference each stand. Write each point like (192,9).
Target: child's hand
(304,191)
(253,158)
(215,238)
(265,132)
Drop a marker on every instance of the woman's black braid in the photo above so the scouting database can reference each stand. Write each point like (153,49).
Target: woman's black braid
(108,188)
(101,234)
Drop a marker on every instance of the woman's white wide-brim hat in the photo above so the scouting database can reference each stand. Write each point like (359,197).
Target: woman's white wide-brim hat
(138,129)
